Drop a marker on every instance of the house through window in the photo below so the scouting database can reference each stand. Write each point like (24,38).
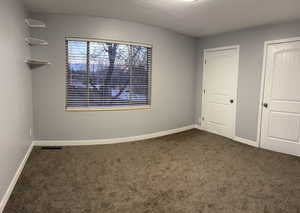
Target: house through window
(107,75)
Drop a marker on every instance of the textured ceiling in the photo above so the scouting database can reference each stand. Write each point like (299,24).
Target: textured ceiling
(200,18)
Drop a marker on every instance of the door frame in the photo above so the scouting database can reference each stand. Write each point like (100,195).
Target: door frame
(237,48)
(263,80)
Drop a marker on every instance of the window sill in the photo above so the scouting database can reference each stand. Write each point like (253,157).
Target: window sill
(114,108)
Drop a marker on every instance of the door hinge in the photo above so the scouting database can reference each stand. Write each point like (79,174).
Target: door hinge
(202,118)
(204,91)
(205,61)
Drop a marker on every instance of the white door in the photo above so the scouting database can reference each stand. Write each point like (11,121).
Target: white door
(281,102)
(219,90)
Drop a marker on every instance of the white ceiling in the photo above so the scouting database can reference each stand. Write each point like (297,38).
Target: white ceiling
(200,18)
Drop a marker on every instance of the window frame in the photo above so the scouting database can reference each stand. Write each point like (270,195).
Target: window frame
(109,108)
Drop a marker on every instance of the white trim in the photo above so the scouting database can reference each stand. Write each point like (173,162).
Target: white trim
(261,97)
(109,108)
(262,84)
(246,141)
(237,47)
(285,40)
(98,142)
(236,138)
(197,126)
(222,48)
(15,179)
(236,89)
(110,141)
(109,40)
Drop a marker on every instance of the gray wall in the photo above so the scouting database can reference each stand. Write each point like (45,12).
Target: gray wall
(173,90)
(251,58)
(15,87)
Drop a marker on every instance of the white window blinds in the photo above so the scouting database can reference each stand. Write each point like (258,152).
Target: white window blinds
(105,74)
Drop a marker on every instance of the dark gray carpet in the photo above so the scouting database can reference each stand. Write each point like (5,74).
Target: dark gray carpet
(193,172)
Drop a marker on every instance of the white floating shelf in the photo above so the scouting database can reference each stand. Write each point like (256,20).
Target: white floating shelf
(34,23)
(36,42)
(37,62)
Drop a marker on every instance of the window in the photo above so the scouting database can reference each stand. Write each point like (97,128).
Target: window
(107,75)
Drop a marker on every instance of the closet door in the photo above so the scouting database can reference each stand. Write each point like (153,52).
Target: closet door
(281,102)
(219,91)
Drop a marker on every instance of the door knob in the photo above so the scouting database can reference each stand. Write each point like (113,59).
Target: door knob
(231,101)
(265,105)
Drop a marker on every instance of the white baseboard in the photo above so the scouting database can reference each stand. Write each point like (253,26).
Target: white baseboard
(14,180)
(99,142)
(235,138)
(197,126)
(245,141)
(110,141)
(80,142)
